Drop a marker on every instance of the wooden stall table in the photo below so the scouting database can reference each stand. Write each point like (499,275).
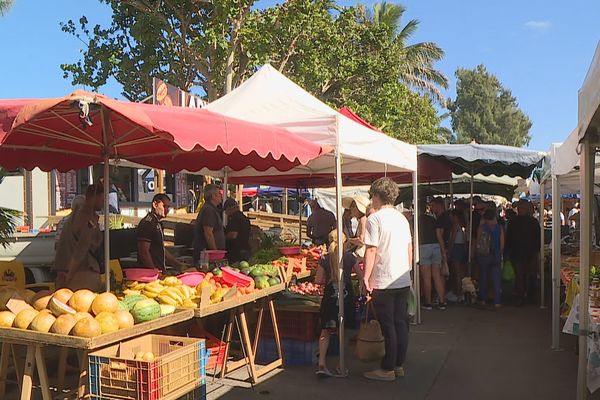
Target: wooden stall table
(235,307)
(34,342)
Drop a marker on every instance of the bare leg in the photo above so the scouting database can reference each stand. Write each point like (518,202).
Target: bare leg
(438,281)
(426,282)
(323,347)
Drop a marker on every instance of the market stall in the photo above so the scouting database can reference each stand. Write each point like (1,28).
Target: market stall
(360,153)
(85,128)
(588,139)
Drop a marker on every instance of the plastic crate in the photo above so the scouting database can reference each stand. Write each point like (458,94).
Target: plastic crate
(296,325)
(295,352)
(179,368)
(216,352)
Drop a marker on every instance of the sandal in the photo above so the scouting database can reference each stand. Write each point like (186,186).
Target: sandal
(324,373)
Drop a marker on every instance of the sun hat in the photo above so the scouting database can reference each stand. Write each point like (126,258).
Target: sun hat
(347,202)
(362,203)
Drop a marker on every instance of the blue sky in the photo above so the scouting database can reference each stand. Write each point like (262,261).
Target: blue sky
(539,49)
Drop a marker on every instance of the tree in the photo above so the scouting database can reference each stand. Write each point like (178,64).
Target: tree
(487,112)
(215,45)
(8,219)
(5,5)
(417,59)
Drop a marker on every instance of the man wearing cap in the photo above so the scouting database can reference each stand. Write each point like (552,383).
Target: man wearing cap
(320,223)
(237,232)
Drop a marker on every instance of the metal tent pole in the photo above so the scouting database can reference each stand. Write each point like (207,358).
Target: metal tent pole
(417,285)
(556,234)
(105,124)
(340,247)
(585,239)
(471,225)
(542,247)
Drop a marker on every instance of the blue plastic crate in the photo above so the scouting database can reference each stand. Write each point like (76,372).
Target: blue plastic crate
(295,352)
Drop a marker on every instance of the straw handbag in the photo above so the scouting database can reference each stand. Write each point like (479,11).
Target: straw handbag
(370,345)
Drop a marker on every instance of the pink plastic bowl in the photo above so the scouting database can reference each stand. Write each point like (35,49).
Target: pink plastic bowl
(289,251)
(192,279)
(235,278)
(141,274)
(216,255)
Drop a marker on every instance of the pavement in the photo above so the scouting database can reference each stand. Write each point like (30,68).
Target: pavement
(460,353)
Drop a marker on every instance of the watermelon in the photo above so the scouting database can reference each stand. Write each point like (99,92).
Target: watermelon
(166,309)
(129,301)
(145,310)
(123,307)
(274,281)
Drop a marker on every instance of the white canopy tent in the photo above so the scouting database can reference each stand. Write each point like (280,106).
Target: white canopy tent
(588,139)
(271,98)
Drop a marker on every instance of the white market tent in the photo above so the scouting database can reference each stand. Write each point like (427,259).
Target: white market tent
(588,138)
(271,98)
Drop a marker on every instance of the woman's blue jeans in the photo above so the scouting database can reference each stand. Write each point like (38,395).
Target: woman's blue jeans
(490,267)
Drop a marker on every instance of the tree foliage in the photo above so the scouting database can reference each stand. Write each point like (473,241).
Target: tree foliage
(5,5)
(8,219)
(418,59)
(330,51)
(487,112)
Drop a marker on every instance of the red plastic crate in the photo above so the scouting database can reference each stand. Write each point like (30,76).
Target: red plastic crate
(216,352)
(296,325)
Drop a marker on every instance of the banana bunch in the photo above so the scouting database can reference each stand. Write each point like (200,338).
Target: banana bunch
(180,296)
(135,285)
(171,281)
(153,289)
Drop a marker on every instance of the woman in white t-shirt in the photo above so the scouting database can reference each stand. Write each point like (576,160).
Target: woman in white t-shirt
(388,262)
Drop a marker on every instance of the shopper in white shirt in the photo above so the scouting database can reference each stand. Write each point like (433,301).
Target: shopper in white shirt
(388,262)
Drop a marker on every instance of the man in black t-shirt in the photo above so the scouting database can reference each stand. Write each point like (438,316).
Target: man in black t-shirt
(237,232)
(209,233)
(150,237)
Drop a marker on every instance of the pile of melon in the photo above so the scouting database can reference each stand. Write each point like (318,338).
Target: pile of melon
(82,313)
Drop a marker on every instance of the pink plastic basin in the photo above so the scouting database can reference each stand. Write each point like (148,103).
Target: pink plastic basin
(216,255)
(141,274)
(235,278)
(289,251)
(192,279)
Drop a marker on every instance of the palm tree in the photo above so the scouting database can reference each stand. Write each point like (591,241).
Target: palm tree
(8,219)
(417,59)
(5,5)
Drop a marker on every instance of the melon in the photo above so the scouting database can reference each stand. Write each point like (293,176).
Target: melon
(108,322)
(63,295)
(87,328)
(59,308)
(27,295)
(6,292)
(6,319)
(145,310)
(82,300)
(42,322)
(166,309)
(24,318)
(105,302)
(41,299)
(129,301)
(125,319)
(63,324)
(80,315)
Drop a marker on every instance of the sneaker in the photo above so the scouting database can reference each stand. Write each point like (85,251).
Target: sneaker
(380,375)
(427,306)
(399,372)
(442,306)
